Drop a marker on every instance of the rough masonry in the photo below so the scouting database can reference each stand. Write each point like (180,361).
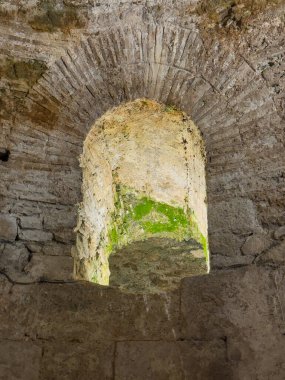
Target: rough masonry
(63,65)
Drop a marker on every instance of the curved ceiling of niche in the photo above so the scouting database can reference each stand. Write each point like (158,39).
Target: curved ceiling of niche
(216,86)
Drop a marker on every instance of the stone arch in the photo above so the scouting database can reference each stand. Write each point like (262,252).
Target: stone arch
(143,181)
(216,86)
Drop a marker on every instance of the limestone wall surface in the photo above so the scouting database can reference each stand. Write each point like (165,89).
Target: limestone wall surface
(64,65)
(228,325)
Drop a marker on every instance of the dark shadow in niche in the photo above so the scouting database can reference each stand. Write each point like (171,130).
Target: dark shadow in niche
(4,154)
(156,264)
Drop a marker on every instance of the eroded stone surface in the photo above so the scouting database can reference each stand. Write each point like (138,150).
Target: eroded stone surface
(221,65)
(19,360)
(156,265)
(172,360)
(8,227)
(227,304)
(97,313)
(275,255)
(279,233)
(75,361)
(50,267)
(255,244)
(232,327)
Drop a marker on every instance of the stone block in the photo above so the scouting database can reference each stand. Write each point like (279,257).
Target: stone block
(87,312)
(275,255)
(65,235)
(279,281)
(50,248)
(76,361)
(8,227)
(225,243)
(279,233)
(25,208)
(35,235)
(18,311)
(14,256)
(172,360)
(256,244)
(31,222)
(50,267)
(19,360)
(237,215)
(223,262)
(251,362)
(234,303)
(60,218)
(56,249)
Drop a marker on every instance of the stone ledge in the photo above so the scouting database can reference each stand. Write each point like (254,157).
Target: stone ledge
(88,312)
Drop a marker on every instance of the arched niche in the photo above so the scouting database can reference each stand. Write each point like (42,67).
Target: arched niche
(230,103)
(143,180)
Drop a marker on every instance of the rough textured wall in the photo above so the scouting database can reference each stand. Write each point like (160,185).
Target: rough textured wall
(62,66)
(143,175)
(227,76)
(227,325)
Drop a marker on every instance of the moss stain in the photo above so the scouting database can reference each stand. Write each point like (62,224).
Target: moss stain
(138,217)
(141,248)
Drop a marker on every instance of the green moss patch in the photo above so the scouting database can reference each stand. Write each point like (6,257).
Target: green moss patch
(138,217)
(152,245)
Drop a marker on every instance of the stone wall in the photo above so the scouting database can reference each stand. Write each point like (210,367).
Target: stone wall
(228,325)
(227,78)
(64,65)
(230,84)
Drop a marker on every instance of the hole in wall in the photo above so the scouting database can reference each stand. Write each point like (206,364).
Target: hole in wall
(142,224)
(4,154)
